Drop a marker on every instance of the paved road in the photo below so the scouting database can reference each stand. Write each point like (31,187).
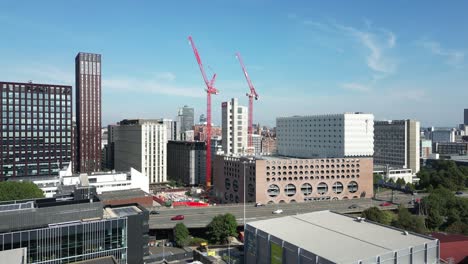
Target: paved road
(200,217)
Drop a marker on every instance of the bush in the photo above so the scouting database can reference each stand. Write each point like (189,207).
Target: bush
(181,235)
(196,241)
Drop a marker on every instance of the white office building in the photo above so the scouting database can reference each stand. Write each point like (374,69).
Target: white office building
(103,181)
(321,136)
(142,144)
(396,144)
(234,127)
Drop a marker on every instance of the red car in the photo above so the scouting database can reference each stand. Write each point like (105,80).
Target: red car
(385,204)
(178,217)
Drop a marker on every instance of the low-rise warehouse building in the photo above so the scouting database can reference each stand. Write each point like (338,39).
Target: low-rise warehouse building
(326,237)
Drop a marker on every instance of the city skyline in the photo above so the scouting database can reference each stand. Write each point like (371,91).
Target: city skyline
(313,58)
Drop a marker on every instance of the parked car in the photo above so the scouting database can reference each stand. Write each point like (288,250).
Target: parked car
(278,211)
(178,217)
(154,212)
(353,206)
(259,204)
(385,204)
(459,193)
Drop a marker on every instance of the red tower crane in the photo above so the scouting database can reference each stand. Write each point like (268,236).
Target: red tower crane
(210,89)
(253,94)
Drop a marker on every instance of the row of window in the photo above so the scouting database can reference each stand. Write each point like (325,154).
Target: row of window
(306,189)
(300,161)
(312,178)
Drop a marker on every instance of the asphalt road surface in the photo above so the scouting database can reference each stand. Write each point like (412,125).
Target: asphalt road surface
(201,217)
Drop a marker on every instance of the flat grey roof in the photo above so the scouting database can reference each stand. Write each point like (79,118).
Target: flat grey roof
(325,233)
(122,194)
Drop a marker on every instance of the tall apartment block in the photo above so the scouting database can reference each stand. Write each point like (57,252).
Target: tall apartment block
(88,112)
(141,144)
(36,129)
(186,162)
(186,118)
(234,127)
(396,143)
(322,136)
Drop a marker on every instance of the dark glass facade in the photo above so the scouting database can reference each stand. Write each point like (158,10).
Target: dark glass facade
(88,112)
(71,242)
(35,129)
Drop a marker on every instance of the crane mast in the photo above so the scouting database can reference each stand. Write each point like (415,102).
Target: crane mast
(253,94)
(210,89)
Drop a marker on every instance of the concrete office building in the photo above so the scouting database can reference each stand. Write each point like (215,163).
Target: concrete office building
(88,111)
(257,143)
(425,148)
(186,162)
(74,228)
(443,135)
(35,129)
(388,173)
(322,136)
(270,179)
(185,117)
(452,148)
(234,127)
(142,144)
(326,237)
(396,144)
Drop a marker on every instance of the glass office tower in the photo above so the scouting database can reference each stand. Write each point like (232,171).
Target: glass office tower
(35,129)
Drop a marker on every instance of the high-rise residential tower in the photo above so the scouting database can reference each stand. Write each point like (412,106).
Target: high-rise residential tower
(396,143)
(141,144)
(234,127)
(35,130)
(88,112)
(186,118)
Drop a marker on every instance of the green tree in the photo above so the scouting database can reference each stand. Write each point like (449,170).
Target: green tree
(181,235)
(408,221)
(373,214)
(400,182)
(434,220)
(221,228)
(458,228)
(11,190)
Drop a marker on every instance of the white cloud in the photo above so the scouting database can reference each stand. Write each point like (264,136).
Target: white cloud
(356,87)
(165,76)
(452,57)
(376,60)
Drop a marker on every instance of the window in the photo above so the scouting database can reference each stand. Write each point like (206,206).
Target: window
(273,190)
(290,190)
(337,187)
(306,189)
(322,188)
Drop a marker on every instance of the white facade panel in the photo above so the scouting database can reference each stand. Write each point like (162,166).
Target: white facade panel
(234,127)
(337,135)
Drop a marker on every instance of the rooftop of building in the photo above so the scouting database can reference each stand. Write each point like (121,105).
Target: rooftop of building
(139,121)
(355,240)
(279,157)
(324,115)
(123,194)
(112,212)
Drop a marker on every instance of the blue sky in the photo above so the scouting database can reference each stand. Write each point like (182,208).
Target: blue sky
(396,59)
